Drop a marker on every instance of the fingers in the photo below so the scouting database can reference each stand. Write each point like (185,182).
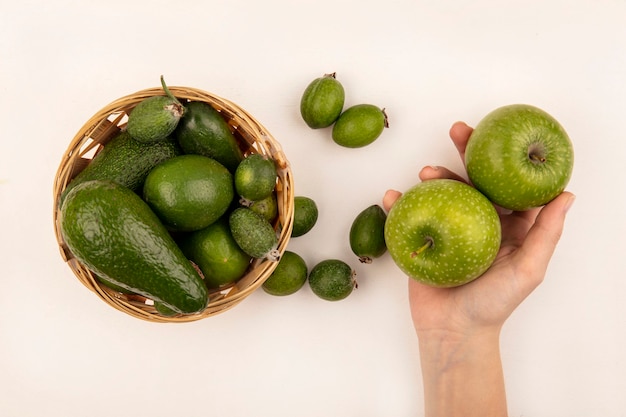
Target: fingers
(536,251)
(389,198)
(427,173)
(460,133)
(436,172)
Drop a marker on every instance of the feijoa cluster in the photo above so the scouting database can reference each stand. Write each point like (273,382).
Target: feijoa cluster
(322,105)
(171,208)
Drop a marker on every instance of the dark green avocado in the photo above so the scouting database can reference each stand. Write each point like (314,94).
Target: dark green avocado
(113,232)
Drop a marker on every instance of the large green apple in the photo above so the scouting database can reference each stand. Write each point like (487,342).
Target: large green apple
(443,233)
(519,156)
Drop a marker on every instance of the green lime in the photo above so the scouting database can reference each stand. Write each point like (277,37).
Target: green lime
(189,192)
(288,277)
(305,215)
(332,280)
(255,177)
(216,253)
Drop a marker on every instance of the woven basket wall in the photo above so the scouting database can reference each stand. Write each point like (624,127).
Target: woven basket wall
(253,137)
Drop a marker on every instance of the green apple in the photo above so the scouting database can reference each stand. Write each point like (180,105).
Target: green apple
(443,233)
(520,157)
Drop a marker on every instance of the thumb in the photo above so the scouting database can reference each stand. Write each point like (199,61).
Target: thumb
(544,235)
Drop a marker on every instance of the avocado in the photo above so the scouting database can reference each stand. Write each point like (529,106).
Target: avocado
(125,161)
(113,232)
(203,131)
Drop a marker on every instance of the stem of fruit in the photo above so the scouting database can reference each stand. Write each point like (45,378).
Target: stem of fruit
(386,118)
(429,243)
(168,92)
(537,158)
(273,255)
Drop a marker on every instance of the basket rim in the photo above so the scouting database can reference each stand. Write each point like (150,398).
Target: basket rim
(109,120)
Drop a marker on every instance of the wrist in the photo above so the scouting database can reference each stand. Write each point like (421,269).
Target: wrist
(462,373)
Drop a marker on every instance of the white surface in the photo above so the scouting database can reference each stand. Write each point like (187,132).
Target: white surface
(65,353)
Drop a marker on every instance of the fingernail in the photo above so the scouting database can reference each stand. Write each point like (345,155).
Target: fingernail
(569,203)
(434,167)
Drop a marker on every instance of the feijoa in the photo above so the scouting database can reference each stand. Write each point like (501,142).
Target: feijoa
(305,215)
(267,207)
(322,101)
(216,253)
(332,279)
(288,277)
(156,117)
(255,177)
(367,234)
(359,125)
(189,192)
(254,235)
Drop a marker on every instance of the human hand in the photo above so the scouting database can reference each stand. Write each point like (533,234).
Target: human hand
(528,241)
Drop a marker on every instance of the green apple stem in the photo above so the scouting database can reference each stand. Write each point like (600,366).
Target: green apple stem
(537,158)
(536,153)
(429,242)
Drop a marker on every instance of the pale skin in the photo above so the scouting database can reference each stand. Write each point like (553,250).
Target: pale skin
(459,328)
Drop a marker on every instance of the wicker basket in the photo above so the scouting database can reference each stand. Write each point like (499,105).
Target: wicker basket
(253,138)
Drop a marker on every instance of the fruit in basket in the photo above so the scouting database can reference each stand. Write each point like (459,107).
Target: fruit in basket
(519,156)
(155,118)
(164,310)
(114,233)
(216,253)
(189,192)
(109,284)
(322,101)
(125,161)
(255,177)
(267,207)
(359,125)
(332,280)
(253,234)
(288,277)
(203,131)
(367,234)
(443,233)
(305,214)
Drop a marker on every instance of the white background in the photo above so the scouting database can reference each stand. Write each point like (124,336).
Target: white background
(64,353)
